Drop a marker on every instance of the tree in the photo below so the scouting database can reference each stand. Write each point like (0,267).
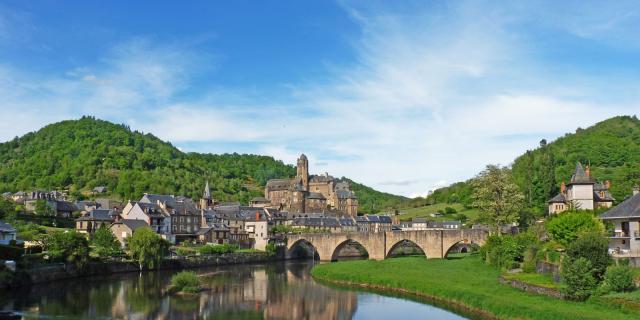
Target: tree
(147,247)
(69,246)
(618,279)
(593,247)
(6,208)
(105,243)
(578,278)
(43,208)
(497,197)
(567,227)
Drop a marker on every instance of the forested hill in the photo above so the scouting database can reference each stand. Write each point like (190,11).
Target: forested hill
(611,147)
(79,155)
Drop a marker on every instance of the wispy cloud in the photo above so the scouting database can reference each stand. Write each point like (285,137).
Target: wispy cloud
(435,93)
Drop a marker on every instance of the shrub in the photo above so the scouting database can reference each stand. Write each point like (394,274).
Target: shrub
(449,210)
(530,259)
(185,281)
(618,279)
(271,249)
(105,243)
(578,277)
(182,252)
(218,249)
(10,252)
(69,246)
(593,247)
(567,227)
(507,251)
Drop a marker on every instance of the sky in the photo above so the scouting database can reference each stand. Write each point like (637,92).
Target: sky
(404,96)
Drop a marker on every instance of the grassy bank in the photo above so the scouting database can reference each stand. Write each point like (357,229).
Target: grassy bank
(467,283)
(424,212)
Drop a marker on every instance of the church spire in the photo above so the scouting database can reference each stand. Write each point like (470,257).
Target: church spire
(207,192)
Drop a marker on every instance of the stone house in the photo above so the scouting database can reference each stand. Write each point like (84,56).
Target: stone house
(624,241)
(90,221)
(318,224)
(125,228)
(582,192)
(216,233)
(157,219)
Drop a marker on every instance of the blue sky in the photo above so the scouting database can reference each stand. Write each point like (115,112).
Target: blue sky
(404,96)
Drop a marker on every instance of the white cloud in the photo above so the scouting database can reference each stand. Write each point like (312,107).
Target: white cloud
(436,94)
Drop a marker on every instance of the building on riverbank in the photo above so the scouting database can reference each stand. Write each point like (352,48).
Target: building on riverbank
(125,228)
(624,241)
(582,192)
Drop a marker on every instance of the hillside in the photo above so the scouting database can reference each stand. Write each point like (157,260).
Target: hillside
(79,155)
(611,147)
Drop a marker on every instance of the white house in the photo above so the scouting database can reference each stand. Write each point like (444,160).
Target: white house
(7,233)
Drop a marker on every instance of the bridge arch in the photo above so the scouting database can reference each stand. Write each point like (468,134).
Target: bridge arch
(402,242)
(302,248)
(336,252)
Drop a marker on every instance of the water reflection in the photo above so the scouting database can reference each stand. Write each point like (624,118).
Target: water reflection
(274,291)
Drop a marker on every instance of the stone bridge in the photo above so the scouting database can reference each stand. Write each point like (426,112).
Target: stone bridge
(434,243)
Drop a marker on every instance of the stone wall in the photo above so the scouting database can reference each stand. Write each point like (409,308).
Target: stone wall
(532,288)
(62,271)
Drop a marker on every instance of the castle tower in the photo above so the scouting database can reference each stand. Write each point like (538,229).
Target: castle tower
(303,171)
(206,200)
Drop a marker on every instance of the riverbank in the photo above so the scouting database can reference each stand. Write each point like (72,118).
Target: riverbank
(466,284)
(60,271)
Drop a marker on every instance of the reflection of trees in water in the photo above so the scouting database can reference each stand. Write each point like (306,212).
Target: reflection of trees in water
(275,291)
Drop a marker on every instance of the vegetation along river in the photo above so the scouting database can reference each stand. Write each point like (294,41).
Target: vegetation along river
(271,291)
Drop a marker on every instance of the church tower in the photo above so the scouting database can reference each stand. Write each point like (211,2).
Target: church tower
(206,201)
(303,171)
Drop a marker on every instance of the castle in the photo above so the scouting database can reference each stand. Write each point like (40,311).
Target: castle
(581,193)
(311,193)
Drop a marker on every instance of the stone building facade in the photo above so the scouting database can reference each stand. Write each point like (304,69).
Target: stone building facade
(311,193)
(582,193)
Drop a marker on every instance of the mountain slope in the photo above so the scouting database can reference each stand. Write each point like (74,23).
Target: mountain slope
(81,154)
(611,147)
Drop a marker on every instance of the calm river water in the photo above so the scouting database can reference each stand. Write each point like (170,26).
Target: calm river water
(272,291)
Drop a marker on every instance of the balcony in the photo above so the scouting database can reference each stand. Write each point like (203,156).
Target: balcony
(619,234)
(624,253)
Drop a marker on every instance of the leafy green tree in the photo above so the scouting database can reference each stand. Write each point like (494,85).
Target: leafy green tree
(43,208)
(497,197)
(578,277)
(618,279)
(105,243)
(147,247)
(565,228)
(6,207)
(68,246)
(593,247)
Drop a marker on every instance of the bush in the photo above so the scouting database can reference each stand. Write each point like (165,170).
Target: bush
(183,252)
(68,246)
(105,243)
(618,279)
(185,281)
(449,210)
(567,227)
(593,247)
(578,277)
(10,252)
(530,259)
(218,249)
(507,251)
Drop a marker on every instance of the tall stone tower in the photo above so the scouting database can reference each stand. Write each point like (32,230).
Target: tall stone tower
(303,171)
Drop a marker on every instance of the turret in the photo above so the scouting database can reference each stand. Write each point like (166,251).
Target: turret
(206,200)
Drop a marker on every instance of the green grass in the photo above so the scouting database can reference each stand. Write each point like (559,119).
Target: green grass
(541,280)
(630,300)
(424,212)
(467,283)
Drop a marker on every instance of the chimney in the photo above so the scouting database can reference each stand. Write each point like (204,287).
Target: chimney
(607,184)
(636,190)
(563,187)
(587,171)
(257,215)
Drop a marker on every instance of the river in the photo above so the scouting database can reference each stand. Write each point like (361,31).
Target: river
(271,291)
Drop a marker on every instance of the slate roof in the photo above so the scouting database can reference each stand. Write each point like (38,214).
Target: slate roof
(98,214)
(5,227)
(207,192)
(373,218)
(133,224)
(347,222)
(154,198)
(627,209)
(385,219)
(316,195)
(100,189)
(606,198)
(321,178)
(278,184)
(65,206)
(344,194)
(317,222)
(260,199)
(559,198)
(580,176)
